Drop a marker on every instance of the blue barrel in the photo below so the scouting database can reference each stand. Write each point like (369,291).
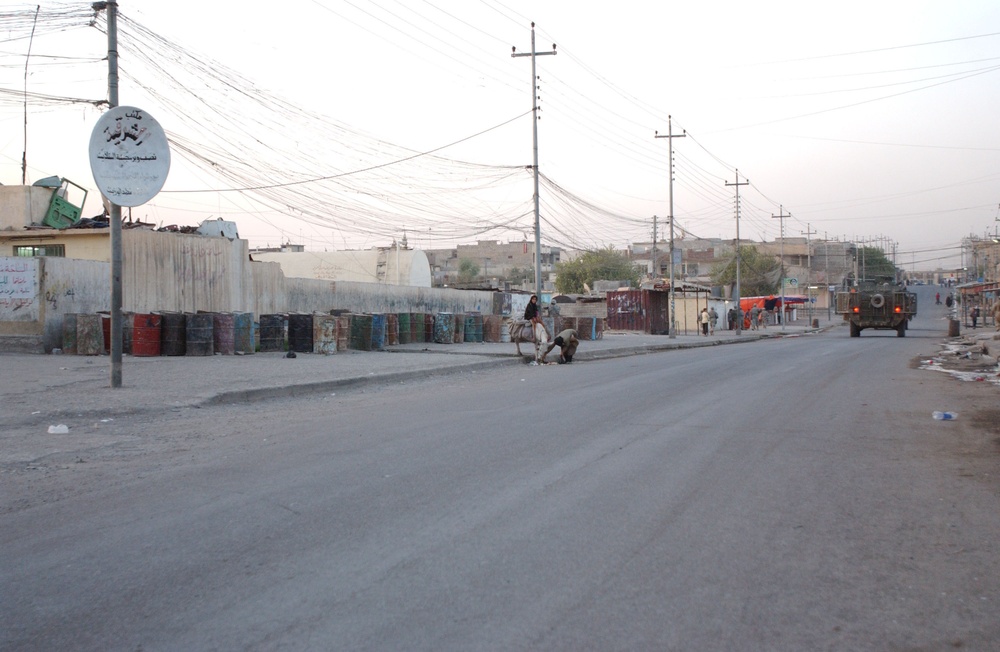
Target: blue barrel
(243,332)
(199,334)
(378,332)
(444,328)
(474,328)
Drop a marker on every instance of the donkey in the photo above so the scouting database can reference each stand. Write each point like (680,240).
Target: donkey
(526,331)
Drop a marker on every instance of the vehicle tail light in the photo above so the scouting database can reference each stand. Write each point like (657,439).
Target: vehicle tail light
(857,309)
(899,309)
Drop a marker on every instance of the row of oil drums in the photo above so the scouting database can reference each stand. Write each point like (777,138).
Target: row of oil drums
(207,333)
(322,333)
(161,333)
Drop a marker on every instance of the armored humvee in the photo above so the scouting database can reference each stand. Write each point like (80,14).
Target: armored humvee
(871,304)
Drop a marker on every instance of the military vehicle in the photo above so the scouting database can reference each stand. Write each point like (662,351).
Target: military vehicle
(878,305)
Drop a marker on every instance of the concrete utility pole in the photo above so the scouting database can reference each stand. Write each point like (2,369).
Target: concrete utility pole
(809,233)
(655,272)
(534,137)
(781,216)
(24,154)
(670,140)
(739,308)
(826,267)
(115,217)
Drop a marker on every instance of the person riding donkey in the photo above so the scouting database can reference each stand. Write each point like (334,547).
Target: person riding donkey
(532,314)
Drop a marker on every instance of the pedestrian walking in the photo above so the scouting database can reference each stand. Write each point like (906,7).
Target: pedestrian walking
(731,318)
(713,320)
(754,315)
(705,319)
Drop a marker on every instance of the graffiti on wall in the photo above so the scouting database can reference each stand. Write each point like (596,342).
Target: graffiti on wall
(18,289)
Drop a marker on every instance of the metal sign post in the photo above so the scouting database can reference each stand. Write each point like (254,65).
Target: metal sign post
(130,159)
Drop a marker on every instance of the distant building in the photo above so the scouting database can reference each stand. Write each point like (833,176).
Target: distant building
(494,259)
(388,265)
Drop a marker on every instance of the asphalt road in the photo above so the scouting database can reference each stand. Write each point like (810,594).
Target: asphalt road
(790,494)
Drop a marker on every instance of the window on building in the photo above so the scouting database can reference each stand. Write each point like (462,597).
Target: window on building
(40,250)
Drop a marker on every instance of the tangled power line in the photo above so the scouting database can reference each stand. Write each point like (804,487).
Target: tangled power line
(268,157)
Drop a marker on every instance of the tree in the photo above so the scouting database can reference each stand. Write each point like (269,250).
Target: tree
(601,264)
(760,273)
(873,265)
(519,276)
(467,270)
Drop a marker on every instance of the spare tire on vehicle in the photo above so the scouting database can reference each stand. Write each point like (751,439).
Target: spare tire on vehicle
(878,301)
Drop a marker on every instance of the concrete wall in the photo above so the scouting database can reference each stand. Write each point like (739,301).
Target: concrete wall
(169,272)
(72,286)
(270,291)
(21,206)
(35,293)
(185,273)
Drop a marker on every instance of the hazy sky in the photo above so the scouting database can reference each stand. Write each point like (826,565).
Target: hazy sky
(347,123)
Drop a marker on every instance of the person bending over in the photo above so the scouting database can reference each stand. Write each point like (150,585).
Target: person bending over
(567,341)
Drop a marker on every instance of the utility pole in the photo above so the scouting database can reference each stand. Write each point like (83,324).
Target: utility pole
(781,216)
(826,267)
(670,141)
(656,270)
(739,307)
(115,216)
(808,233)
(534,137)
(24,154)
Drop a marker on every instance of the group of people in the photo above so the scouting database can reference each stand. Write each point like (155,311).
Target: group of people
(753,319)
(758,318)
(708,320)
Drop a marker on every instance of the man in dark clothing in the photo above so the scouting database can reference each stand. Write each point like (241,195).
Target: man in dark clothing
(567,341)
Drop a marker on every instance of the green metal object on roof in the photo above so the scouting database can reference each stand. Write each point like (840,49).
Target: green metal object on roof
(63,213)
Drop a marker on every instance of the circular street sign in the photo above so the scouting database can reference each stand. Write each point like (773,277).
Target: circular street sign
(129,156)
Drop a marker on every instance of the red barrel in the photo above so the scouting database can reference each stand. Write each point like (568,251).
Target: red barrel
(146,329)
(106,329)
